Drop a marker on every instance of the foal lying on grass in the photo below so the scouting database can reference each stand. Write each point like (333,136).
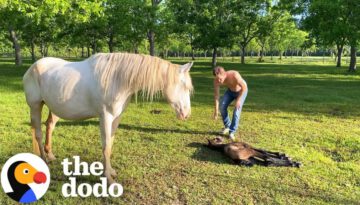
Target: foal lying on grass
(243,154)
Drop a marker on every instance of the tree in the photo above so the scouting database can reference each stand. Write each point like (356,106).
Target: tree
(183,12)
(37,21)
(284,32)
(336,23)
(247,17)
(266,28)
(152,23)
(353,11)
(135,30)
(214,24)
(325,21)
(11,20)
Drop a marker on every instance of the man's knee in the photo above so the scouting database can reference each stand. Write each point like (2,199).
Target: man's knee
(223,107)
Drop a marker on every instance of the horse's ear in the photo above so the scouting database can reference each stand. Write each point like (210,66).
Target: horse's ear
(186,67)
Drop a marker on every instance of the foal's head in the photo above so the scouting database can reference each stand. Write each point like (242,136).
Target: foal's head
(178,92)
(215,141)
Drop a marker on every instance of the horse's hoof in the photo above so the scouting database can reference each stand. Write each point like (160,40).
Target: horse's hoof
(113,172)
(45,160)
(109,178)
(298,165)
(51,156)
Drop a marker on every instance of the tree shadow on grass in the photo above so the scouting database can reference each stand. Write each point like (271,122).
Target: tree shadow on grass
(164,130)
(130,127)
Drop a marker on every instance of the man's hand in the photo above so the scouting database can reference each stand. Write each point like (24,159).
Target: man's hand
(216,114)
(238,104)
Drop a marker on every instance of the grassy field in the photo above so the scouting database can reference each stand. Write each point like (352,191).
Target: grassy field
(311,112)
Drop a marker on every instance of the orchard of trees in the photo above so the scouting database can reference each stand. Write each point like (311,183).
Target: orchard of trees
(193,28)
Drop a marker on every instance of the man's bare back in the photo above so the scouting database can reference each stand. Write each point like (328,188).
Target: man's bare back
(233,81)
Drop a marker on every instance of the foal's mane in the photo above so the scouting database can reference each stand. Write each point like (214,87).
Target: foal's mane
(117,72)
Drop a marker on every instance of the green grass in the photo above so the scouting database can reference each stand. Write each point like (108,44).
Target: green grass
(310,112)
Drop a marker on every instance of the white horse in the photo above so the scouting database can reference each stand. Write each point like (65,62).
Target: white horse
(100,86)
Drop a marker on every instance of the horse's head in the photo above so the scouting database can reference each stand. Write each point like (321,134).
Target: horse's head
(178,92)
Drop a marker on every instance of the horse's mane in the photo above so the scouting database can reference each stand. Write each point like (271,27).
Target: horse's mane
(117,72)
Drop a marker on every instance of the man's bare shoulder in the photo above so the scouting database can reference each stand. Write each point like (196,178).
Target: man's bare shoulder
(234,73)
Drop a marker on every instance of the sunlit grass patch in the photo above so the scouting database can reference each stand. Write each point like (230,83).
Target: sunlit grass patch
(310,112)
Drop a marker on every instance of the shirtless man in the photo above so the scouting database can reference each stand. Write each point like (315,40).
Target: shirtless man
(237,90)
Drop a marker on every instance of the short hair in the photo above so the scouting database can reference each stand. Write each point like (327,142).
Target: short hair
(217,70)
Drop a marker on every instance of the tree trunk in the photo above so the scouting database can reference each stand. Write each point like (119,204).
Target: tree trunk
(166,53)
(151,39)
(33,56)
(46,50)
(192,47)
(352,67)
(88,51)
(261,54)
(213,62)
(339,53)
(192,54)
(111,41)
(42,49)
(94,47)
(281,53)
(16,46)
(242,54)
(82,52)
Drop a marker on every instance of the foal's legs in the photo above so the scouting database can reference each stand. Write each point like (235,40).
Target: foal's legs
(106,121)
(50,125)
(35,114)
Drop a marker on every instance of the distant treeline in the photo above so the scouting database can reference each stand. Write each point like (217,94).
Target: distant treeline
(174,28)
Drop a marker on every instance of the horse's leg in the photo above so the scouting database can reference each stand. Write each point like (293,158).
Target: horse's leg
(50,126)
(280,162)
(258,161)
(106,121)
(272,154)
(35,113)
(114,126)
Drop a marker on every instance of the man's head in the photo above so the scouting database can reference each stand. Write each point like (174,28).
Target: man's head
(220,74)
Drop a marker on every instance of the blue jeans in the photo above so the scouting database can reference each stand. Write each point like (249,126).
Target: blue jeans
(228,97)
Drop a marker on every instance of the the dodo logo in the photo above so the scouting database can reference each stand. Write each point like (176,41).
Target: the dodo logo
(25,177)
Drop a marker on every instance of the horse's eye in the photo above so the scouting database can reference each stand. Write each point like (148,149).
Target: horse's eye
(26,171)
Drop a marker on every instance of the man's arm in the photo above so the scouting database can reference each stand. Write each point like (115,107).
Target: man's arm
(244,88)
(216,98)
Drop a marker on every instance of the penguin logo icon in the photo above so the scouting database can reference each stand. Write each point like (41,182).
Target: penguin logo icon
(25,178)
